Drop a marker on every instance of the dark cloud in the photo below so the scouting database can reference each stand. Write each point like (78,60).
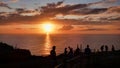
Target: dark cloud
(66,27)
(20,10)
(111,14)
(93,29)
(48,12)
(26,11)
(2,4)
(85,11)
(52,9)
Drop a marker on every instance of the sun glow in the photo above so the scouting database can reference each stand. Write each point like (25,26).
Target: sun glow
(48,27)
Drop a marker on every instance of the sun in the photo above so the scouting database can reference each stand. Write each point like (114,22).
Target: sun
(48,27)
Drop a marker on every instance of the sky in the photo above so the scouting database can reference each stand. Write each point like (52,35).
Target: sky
(68,16)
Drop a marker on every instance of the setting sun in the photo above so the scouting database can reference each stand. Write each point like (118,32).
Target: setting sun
(48,27)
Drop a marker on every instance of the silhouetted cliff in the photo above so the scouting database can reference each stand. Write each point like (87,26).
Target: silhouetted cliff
(8,53)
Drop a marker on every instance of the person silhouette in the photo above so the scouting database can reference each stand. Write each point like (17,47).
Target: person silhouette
(70,54)
(106,48)
(65,58)
(77,51)
(87,50)
(87,54)
(102,48)
(53,56)
(113,48)
(65,54)
(65,51)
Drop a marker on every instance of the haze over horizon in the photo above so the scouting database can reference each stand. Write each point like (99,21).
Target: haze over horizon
(67,16)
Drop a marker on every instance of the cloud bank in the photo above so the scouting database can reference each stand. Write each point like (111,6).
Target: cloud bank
(84,12)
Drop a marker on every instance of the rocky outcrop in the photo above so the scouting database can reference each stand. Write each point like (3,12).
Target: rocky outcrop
(9,53)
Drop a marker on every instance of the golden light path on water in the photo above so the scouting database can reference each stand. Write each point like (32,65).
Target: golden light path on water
(47,45)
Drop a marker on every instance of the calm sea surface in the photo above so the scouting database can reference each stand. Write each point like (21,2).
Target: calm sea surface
(42,44)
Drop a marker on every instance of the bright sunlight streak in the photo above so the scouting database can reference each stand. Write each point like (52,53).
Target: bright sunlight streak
(48,27)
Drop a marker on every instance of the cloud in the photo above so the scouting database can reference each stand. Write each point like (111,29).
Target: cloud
(114,9)
(20,10)
(86,11)
(104,3)
(46,12)
(14,0)
(3,14)
(104,16)
(66,27)
(3,4)
(25,12)
(100,16)
(52,9)
(94,29)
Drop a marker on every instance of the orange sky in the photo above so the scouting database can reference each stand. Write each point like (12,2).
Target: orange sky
(59,29)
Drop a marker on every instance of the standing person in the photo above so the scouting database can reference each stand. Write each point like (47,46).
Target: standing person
(102,48)
(65,51)
(106,48)
(77,51)
(70,54)
(113,48)
(87,50)
(65,55)
(65,58)
(53,56)
(87,53)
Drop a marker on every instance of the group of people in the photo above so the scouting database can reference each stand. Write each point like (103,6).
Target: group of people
(105,48)
(71,53)
(77,51)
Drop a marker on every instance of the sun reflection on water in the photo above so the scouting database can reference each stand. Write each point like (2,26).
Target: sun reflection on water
(47,44)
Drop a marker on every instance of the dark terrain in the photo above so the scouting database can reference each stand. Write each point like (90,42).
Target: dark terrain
(11,57)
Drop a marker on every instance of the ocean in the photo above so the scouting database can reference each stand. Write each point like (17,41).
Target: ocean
(41,44)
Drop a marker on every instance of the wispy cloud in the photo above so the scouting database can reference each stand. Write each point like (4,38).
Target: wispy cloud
(94,29)
(5,5)
(104,3)
(66,27)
